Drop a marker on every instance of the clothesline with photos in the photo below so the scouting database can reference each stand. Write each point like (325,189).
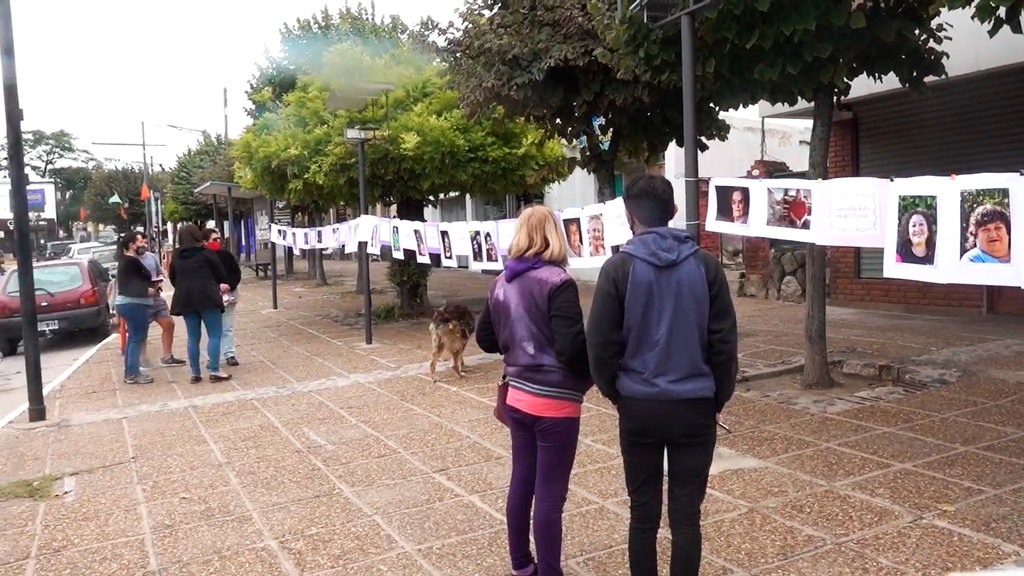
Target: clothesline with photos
(592,233)
(933,229)
(941,229)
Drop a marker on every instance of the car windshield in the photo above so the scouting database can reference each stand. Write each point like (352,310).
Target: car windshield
(67,252)
(50,279)
(86,250)
(104,256)
(58,246)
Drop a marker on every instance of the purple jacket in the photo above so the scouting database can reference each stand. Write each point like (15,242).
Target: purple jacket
(533,317)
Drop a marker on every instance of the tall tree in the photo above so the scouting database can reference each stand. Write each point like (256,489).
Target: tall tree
(126,183)
(72,182)
(997,14)
(208,160)
(549,61)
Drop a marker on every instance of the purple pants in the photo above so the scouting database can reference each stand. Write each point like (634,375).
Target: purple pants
(543,451)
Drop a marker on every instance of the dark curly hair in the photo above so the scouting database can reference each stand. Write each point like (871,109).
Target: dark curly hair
(904,244)
(982,216)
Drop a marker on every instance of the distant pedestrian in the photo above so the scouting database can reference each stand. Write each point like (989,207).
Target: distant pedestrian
(199,285)
(158,311)
(211,237)
(663,348)
(134,298)
(533,317)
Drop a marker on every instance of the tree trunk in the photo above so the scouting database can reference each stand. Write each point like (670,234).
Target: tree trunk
(816,367)
(321,273)
(412,295)
(605,174)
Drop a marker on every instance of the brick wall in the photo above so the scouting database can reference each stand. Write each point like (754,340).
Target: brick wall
(708,240)
(845,286)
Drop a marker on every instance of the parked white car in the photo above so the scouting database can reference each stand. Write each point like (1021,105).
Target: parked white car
(80,251)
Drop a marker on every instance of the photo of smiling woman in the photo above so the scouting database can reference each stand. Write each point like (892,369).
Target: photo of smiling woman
(985,223)
(733,204)
(915,243)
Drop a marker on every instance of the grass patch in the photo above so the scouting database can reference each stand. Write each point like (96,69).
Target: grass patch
(386,313)
(41,488)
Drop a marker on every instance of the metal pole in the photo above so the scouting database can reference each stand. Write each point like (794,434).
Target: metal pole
(19,207)
(225,114)
(273,260)
(364,255)
(692,203)
(230,226)
(145,180)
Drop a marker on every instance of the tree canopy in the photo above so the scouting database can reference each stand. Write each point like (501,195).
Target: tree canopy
(207,160)
(45,151)
(126,182)
(997,14)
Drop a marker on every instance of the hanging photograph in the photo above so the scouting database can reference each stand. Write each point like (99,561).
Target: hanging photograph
(733,204)
(459,235)
(616,224)
(419,232)
(595,235)
(914,231)
(489,237)
(448,259)
(477,242)
(351,236)
(984,235)
(506,232)
(396,240)
(338,232)
(279,234)
(407,233)
(384,228)
(789,208)
(739,206)
(373,246)
(432,231)
(573,228)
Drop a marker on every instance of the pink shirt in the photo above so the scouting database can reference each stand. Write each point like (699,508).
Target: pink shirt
(541,406)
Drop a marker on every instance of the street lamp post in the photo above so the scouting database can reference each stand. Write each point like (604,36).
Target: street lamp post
(360,136)
(22,226)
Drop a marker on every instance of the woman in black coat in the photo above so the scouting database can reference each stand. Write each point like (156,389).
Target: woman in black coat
(199,286)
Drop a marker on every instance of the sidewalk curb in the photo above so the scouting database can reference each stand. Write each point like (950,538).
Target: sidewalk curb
(59,379)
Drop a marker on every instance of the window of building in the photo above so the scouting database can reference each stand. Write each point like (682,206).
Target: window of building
(869,262)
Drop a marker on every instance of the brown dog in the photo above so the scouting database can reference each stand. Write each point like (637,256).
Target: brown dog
(450,331)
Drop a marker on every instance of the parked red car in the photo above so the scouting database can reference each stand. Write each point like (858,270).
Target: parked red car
(71,296)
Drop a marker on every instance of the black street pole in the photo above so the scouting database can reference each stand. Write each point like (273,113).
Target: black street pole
(22,233)
(364,255)
(273,259)
(692,201)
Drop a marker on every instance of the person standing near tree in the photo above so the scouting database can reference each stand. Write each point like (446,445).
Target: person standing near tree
(158,311)
(134,299)
(211,237)
(662,343)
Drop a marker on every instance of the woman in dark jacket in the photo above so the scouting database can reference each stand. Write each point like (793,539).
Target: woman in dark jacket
(134,297)
(199,285)
(533,317)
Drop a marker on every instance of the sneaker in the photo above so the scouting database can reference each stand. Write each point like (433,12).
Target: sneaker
(231,361)
(195,379)
(170,360)
(139,379)
(219,377)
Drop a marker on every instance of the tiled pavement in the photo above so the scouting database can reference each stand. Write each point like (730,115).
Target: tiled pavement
(324,456)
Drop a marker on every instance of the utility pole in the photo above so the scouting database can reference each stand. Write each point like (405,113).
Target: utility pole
(19,206)
(145,170)
(225,114)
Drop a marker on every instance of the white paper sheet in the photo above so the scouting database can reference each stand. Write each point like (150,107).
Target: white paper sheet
(406,232)
(489,236)
(850,212)
(461,245)
(737,206)
(279,234)
(506,232)
(351,244)
(572,228)
(790,209)
(420,242)
(616,225)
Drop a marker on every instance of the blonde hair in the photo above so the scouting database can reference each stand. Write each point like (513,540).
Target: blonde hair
(537,234)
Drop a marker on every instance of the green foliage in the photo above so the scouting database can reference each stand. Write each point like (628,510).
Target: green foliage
(207,161)
(40,488)
(44,151)
(72,183)
(386,313)
(559,64)
(910,203)
(126,182)
(998,14)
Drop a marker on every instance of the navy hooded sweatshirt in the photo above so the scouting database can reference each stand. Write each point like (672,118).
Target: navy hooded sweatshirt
(533,318)
(662,325)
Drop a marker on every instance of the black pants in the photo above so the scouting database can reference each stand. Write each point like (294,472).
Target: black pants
(686,429)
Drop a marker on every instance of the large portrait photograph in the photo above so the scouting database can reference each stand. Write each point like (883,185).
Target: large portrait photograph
(733,204)
(916,236)
(789,208)
(985,226)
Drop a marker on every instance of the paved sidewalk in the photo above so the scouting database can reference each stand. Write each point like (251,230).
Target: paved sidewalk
(324,456)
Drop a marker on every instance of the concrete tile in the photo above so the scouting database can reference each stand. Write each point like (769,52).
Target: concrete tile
(1009,448)
(124,558)
(831,464)
(18,514)
(760,414)
(242,452)
(834,561)
(378,471)
(765,443)
(16,545)
(759,485)
(1000,415)
(63,533)
(599,424)
(189,484)
(592,455)
(387,423)
(308,516)
(480,554)
(1000,517)
(320,434)
(403,564)
(482,477)
(87,454)
(359,450)
(896,447)
(175,463)
(191,543)
(496,500)
(16,469)
(977,468)
(405,495)
(836,514)
(929,549)
(339,547)
(914,490)
(730,540)
(224,408)
(445,521)
(197,507)
(956,431)
(105,478)
(260,561)
(486,426)
(604,483)
(592,530)
(66,433)
(82,503)
(938,402)
(713,508)
(983,388)
(14,569)
(456,455)
(884,415)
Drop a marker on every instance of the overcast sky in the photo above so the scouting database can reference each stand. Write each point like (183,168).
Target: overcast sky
(100,68)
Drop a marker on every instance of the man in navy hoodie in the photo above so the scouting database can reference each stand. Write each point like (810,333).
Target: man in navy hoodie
(662,343)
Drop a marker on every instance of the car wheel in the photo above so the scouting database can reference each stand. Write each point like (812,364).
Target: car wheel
(9,347)
(103,331)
